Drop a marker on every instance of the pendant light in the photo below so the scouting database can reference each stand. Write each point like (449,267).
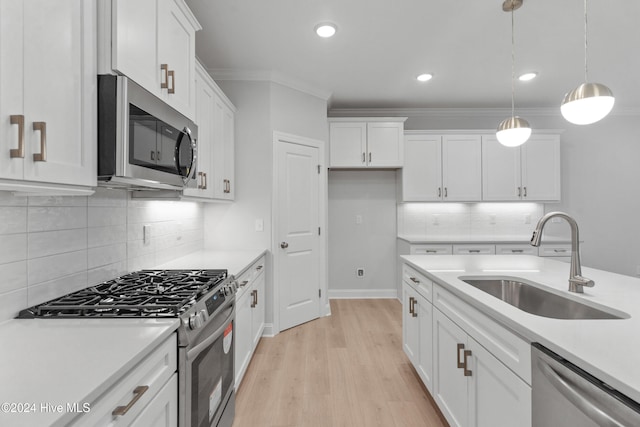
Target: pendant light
(513,131)
(589,102)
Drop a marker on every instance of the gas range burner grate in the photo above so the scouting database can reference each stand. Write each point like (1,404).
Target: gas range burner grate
(145,293)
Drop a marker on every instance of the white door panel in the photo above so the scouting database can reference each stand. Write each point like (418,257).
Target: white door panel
(298,222)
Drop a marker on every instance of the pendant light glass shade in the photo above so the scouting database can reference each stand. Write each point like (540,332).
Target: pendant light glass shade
(513,131)
(586,104)
(589,102)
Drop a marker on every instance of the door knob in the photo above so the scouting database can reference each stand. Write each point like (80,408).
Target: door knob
(284,245)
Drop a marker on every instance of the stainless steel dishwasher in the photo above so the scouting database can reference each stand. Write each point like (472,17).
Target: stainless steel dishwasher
(565,395)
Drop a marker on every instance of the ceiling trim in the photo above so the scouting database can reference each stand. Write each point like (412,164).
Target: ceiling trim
(457,112)
(269,76)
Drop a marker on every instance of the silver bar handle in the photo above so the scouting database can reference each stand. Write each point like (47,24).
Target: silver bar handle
(165,70)
(445,192)
(439,191)
(369,156)
(588,406)
(363,157)
(525,191)
(137,394)
(519,191)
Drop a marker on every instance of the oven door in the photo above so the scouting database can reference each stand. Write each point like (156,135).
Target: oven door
(207,380)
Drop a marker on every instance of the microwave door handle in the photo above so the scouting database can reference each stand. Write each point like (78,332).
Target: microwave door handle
(579,398)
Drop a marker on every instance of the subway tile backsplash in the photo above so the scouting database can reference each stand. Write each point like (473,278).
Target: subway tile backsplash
(50,246)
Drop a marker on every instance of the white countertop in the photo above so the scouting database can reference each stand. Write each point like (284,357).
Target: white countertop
(608,349)
(234,261)
(60,361)
(462,239)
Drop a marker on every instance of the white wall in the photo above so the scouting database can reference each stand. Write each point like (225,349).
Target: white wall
(263,107)
(600,176)
(50,246)
(371,244)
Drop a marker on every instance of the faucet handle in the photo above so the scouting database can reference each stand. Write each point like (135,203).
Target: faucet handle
(576,284)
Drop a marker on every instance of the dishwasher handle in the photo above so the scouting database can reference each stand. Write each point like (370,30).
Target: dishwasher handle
(581,401)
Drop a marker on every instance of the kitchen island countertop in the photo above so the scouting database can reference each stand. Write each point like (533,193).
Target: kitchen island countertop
(608,349)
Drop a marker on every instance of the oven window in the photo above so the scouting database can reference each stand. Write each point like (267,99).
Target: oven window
(212,380)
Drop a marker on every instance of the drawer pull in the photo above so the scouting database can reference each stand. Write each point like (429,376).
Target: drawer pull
(254,295)
(172,75)
(414,280)
(560,250)
(467,372)
(517,251)
(138,392)
(474,251)
(18,119)
(244,283)
(260,267)
(460,363)
(431,251)
(411,306)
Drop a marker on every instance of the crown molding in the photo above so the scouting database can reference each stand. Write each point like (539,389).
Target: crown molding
(462,112)
(269,76)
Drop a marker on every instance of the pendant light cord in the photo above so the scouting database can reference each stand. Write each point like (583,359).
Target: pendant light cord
(513,60)
(585,42)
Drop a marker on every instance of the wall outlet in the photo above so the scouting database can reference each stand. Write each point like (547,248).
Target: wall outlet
(358,219)
(492,218)
(146,234)
(259,224)
(527,218)
(359,272)
(435,219)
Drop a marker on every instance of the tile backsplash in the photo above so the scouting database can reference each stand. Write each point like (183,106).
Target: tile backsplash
(462,220)
(50,246)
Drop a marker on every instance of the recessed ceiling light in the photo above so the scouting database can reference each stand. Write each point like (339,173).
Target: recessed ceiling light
(326,29)
(527,76)
(424,77)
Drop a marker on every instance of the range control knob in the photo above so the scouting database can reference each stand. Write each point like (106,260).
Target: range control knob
(195,321)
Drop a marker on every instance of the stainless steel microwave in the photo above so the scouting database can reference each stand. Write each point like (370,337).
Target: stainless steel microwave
(143,143)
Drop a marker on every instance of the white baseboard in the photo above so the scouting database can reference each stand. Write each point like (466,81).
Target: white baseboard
(268,330)
(362,293)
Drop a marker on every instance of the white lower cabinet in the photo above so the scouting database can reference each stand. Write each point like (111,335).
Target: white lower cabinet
(478,372)
(145,396)
(250,313)
(471,386)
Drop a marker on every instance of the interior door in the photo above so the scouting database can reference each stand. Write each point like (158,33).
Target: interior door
(298,216)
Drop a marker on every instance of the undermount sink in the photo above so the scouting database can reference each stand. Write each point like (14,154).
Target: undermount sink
(535,300)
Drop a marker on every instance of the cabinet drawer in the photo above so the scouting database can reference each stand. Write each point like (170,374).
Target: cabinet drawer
(431,250)
(516,250)
(474,249)
(555,250)
(153,371)
(417,281)
(511,350)
(246,279)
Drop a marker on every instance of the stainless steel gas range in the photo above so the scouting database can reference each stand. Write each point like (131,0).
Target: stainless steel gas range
(204,300)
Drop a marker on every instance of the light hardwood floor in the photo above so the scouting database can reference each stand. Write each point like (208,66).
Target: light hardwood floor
(347,369)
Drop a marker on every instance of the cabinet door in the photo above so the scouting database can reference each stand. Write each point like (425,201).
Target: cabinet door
(385,144)
(242,334)
(410,331)
(223,151)
(60,91)
(134,50)
(162,411)
(348,144)
(541,168)
(497,396)
(500,171)
(228,144)
(257,316)
(11,84)
(449,382)
(205,101)
(422,171)
(424,367)
(176,48)
(461,168)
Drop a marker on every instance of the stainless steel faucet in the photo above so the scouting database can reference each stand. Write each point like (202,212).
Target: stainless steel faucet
(576,281)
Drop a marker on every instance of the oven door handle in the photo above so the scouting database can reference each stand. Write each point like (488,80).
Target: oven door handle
(195,351)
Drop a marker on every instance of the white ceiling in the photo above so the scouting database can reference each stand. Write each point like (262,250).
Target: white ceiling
(382,45)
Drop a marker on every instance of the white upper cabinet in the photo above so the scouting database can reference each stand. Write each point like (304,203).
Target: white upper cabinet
(530,172)
(442,168)
(215,117)
(153,43)
(366,143)
(48,96)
